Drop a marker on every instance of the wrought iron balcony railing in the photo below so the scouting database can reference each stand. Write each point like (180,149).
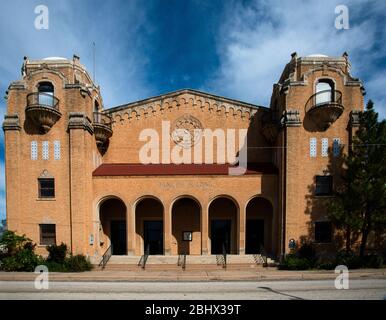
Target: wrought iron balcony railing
(42,99)
(101,118)
(324,98)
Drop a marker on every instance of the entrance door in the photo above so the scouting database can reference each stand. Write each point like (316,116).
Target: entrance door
(118,237)
(255,235)
(220,235)
(153,234)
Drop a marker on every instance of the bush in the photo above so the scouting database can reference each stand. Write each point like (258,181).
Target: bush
(17,253)
(78,263)
(292,262)
(349,259)
(373,261)
(57,253)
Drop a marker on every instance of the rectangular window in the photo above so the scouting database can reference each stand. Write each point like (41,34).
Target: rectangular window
(323,185)
(47,234)
(45,150)
(323,231)
(324,147)
(336,147)
(46,188)
(34,150)
(312,147)
(56,150)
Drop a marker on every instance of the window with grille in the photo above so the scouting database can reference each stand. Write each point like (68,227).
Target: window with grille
(323,185)
(46,187)
(324,147)
(45,150)
(56,150)
(312,147)
(323,231)
(47,234)
(336,147)
(34,150)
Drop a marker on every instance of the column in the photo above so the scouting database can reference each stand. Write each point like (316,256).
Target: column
(130,230)
(204,230)
(241,225)
(167,229)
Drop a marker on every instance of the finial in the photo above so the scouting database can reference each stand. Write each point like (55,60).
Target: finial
(294,55)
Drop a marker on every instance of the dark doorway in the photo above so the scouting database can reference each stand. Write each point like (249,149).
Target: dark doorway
(220,235)
(255,235)
(118,237)
(153,236)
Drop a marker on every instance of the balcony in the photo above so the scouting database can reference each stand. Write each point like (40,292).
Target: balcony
(325,107)
(43,109)
(102,129)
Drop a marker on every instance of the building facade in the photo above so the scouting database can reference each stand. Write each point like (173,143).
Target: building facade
(186,171)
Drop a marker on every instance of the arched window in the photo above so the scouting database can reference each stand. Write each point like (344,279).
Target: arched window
(324,91)
(46,94)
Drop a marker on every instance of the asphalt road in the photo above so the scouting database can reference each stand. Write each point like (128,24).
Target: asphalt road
(226,290)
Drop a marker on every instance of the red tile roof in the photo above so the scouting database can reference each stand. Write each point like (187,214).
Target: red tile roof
(126,169)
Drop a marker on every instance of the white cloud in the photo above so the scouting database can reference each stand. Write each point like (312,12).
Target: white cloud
(256,41)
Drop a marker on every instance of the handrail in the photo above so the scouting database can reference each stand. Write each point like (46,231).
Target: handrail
(102,118)
(224,254)
(182,260)
(264,255)
(42,99)
(335,98)
(143,260)
(106,257)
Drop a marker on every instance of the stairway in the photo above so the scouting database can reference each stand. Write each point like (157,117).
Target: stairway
(193,262)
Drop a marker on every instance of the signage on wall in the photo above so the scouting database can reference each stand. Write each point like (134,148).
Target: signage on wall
(187,236)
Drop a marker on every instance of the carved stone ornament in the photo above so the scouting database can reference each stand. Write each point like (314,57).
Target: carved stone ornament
(186,131)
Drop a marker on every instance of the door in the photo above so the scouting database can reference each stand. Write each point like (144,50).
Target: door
(118,237)
(153,236)
(324,91)
(220,235)
(254,235)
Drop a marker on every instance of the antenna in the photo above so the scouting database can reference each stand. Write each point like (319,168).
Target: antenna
(93,51)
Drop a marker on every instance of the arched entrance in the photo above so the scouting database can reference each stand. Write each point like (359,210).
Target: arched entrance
(223,214)
(258,226)
(149,226)
(112,215)
(186,229)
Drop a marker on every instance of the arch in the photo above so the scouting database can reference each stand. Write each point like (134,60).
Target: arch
(324,88)
(223,214)
(258,231)
(112,227)
(186,217)
(149,225)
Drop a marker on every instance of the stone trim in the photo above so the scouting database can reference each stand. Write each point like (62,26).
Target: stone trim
(291,118)
(11,122)
(79,120)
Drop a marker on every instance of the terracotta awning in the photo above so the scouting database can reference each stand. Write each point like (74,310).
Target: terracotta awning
(126,169)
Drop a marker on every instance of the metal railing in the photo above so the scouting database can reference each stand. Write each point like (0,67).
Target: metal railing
(323,98)
(106,257)
(224,255)
(102,118)
(182,260)
(36,99)
(264,255)
(144,257)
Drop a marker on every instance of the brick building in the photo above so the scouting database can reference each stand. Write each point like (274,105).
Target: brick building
(75,171)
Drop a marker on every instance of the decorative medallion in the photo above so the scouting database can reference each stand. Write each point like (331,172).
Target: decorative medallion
(186,131)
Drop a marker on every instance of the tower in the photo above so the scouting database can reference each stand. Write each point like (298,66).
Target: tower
(311,120)
(55,135)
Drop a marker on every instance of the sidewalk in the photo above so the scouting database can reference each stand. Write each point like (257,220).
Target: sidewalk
(268,274)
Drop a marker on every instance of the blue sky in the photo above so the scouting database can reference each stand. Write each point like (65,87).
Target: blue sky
(231,48)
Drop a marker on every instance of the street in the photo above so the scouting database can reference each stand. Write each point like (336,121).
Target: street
(359,289)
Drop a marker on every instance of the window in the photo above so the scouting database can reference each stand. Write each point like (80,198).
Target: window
(324,91)
(46,94)
(47,234)
(56,150)
(324,147)
(312,147)
(323,185)
(336,147)
(45,150)
(323,231)
(34,150)
(46,188)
